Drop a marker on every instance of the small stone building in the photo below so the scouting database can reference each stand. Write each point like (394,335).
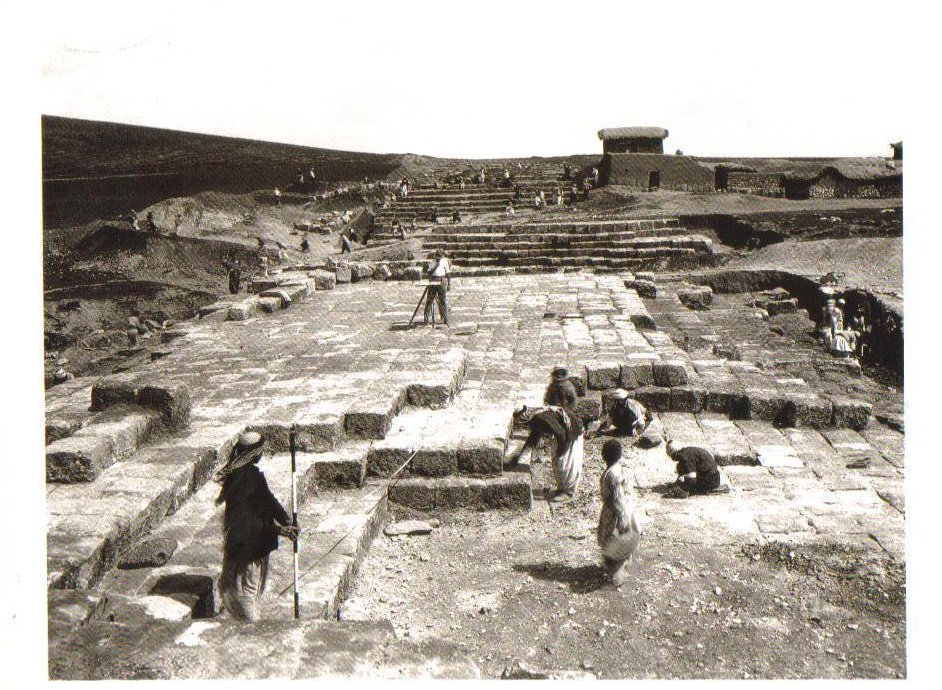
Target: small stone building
(655,171)
(868,180)
(897,150)
(633,139)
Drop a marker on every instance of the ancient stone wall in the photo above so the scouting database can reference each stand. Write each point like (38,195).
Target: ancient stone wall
(762,184)
(638,145)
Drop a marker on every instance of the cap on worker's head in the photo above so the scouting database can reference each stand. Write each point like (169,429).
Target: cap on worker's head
(560,373)
(672,447)
(247,450)
(841,301)
(611,452)
(620,394)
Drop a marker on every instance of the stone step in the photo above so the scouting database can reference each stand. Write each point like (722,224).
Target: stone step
(191,573)
(67,412)
(271,650)
(508,490)
(110,436)
(89,525)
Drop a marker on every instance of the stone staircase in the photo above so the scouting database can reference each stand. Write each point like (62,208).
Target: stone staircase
(617,245)
(429,204)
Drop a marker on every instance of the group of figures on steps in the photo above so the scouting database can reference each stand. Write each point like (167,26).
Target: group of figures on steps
(559,421)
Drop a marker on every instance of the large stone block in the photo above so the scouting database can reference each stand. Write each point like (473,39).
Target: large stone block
(173,403)
(382,272)
(512,490)
(851,413)
(785,306)
(417,494)
(434,462)
(699,297)
(644,288)
(669,373)
(361,271)
(480,457)
(727,401)
(687,399)
(324,280)
(78,458)
(588,409)
(241,311)
(383,461)
(808,411)
(636,373)
(106,393)
(269,305)
(655,398)
(643,322)
(343,273)
(765,404)
(412,273)
(340,473)
(602,375)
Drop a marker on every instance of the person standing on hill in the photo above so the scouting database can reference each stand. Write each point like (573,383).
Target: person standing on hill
(252,522)
(345,247)
(586,186)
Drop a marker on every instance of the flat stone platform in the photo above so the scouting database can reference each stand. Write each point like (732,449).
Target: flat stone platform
(367,392)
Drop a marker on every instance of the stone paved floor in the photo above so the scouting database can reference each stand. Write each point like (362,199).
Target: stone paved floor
(340,348)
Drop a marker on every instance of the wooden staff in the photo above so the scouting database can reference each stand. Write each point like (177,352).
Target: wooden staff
(294,518)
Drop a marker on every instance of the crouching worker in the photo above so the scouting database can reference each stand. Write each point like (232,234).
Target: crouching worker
(627,417)
(566,429)
(619,530)
(697,471)
(252,521)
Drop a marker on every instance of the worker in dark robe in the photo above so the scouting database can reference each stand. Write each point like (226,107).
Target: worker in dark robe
(560,391)
(619,529)
(697,471)
(234,274)
(252,522)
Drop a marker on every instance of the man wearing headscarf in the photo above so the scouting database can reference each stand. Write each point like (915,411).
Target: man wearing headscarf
(619,530)
(252,522)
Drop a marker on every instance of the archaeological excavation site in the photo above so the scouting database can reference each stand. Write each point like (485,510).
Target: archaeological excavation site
(316,414)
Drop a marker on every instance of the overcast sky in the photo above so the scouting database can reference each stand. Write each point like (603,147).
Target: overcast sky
(480,78)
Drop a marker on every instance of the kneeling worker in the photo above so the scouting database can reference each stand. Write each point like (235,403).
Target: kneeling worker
(697,471)
(627,417)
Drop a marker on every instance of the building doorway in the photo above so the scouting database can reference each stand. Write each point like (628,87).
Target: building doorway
(654,180)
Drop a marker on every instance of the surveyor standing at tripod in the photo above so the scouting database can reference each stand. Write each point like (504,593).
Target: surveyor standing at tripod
(252,523)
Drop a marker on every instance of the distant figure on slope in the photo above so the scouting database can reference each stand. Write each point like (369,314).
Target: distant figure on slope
(586,186)
(558,197)
(234,274)
(560,392)
(277,196)
(595,176)
(252,522)
(619,529)
(305,245)
(573,195)
(510,211)
(345,247)
(456,216)
(568,433)
(537,201)
(567,171)
(133,220)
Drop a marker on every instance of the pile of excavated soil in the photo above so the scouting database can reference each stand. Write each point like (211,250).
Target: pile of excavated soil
(875,262)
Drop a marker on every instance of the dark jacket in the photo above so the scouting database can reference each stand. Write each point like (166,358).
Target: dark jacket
(561,394)
(250,516)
